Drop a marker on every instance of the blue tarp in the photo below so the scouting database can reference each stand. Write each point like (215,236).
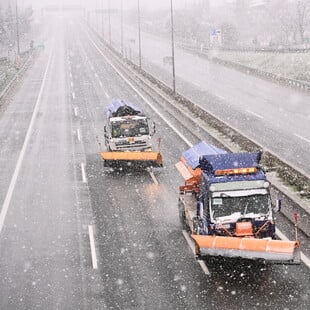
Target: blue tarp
(193,155)
(116,104)
(210,163)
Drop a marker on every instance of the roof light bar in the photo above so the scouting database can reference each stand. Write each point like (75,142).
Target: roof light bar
(235,171)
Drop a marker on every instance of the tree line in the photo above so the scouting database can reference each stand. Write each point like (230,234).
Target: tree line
(9,23)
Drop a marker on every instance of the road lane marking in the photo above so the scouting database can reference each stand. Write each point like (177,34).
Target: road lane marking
(303,257)
(78,133)
(196,84)
(140,94)
(255,114)
(153,177)
(92,247)
(221,97)
(72,84)
(73,95)
(100,83)
(10,191)
(192,246)
(83,173)
(301,137)
(75,111)
(70,75)
(107,95)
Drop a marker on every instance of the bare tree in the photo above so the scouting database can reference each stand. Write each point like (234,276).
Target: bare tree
(302,14)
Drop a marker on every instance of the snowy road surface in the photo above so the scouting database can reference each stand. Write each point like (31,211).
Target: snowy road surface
(76,236)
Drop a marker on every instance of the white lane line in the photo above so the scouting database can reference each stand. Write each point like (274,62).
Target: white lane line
(83,173)
(100,83)
(107,95)
(92,247)
(301,137)
(140,94)
(75,111)
(10,191)
(192,246)
(153,177)
(71,83)
(70,75)
(73,95)
(255,114)
(221,97)
(303,257)
(78,133)
(196,84)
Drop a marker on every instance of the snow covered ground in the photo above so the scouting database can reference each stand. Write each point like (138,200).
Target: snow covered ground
(289,65)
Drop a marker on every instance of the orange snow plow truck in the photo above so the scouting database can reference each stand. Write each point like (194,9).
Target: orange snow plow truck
(225,205)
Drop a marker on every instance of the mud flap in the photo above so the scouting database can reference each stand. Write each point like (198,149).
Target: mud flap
(274,251)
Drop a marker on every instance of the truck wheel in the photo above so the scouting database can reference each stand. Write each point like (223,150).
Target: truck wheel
(182,216)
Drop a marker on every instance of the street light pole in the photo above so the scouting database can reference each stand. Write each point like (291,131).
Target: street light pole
(122,30)
(139,32)
(17,28)
(172,48)
(102,21)
(109,8)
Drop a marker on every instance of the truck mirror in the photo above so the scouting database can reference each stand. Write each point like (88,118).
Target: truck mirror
(278,206)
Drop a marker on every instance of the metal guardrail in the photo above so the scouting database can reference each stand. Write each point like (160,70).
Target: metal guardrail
(280,50)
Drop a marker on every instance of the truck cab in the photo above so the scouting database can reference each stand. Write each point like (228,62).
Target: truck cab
(129,133)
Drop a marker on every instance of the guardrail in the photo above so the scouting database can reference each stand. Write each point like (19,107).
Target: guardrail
(267,49)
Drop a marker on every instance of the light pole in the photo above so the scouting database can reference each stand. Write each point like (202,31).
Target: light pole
(122,30)
(109,9)
(102,22)
(172,48)
(139,33)
(17,29)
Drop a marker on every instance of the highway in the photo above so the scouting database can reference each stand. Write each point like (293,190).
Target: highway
(274,116)
(74,235)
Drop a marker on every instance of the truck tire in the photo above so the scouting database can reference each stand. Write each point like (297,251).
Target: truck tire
(182,215)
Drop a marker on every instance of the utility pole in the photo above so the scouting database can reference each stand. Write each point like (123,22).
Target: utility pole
(139,32)
(122,30)
(17,28)
(172,48)
(102,21)
(109,8)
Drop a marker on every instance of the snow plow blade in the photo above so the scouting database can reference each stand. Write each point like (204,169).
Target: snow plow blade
(138,159)
(273,251)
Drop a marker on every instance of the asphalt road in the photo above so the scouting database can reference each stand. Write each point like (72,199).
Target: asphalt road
(274,116)
(78,236)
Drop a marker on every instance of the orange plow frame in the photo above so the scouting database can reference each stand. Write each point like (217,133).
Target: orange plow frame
(249,248)
(154,158)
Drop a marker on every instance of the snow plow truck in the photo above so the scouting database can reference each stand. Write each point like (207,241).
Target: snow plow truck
(225,205)
(128,137)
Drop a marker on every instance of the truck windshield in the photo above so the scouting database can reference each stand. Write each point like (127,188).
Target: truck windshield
(225,206)
(130,128)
